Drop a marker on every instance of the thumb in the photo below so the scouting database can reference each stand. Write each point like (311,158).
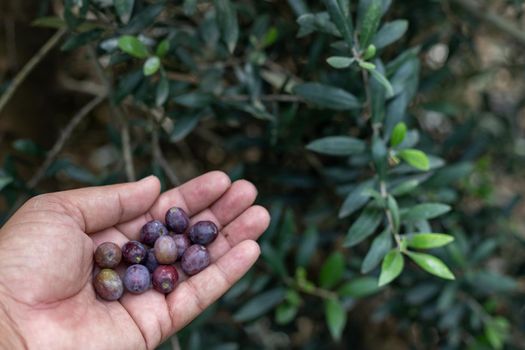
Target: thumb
(97,208)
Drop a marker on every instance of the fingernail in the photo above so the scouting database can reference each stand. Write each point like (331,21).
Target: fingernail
(147,178)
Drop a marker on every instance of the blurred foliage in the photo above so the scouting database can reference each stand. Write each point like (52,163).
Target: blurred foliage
(385,137)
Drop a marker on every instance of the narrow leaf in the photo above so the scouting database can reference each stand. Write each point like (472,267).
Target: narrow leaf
(132,46)
(381,245)
(392,266)
(364,226)
(337,146)
(398,134)
(359,287)
(332,270)
(381,79)
(151,66)
(163,90)
(227,21)
(326,96)
(342,20)
(370,23)
(355,199)
(335,318)
(425,211)
(432,265)
(259,305)
(389,33)
(415,158)
(124,9)
(340,62)
(429,240)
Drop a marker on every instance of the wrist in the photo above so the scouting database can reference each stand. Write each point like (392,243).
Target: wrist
(10,336)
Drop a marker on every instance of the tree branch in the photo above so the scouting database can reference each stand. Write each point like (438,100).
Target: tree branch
(29,66)
(119,114)
(57,147)
(161,160)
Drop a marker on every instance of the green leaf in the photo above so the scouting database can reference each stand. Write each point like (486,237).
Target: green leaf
(163,48)
(335,315)
(124,9)
(332,270)
(143,19)
(379,156)
(367,65)
(429,240)
(307,246)
(392,266)
(381,79)
(359,287)
(405,187)
(194,99)
(337,146)
(151,66)
(132,46)
(183,126)
(398,134)
(163,90)
(81,39)
(432,265)
(370,23)
(381,245)
(340,62)
(227,22)
(497,331)
(390,32)
(49,22)
(341,19)
(394,211)
(355,199)
(4,181)
(326,96)
(259,305)
(415,158)
(425,211)
(364,226)
(285,313)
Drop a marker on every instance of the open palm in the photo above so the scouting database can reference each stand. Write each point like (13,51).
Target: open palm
(46,261)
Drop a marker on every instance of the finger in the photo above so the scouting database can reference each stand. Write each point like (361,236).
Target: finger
(96,208)
(239,197)
(250,225)
(192,196)
(192,296)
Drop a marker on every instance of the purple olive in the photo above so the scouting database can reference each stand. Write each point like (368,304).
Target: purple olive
(151,261)
(151,231)
(134,252)
(195,259)
(108,255)
(164,278)
(177,220)
(203,232)
(137,279)
(182,242)
(108,284)
(165,250)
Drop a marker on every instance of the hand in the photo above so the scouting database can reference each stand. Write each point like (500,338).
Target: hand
(47,298)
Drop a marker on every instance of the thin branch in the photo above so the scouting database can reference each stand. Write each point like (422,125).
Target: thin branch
(30,65)
(119,114)
(57,148)
(491,18)
(64,136)
(161,160)
(126,144)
